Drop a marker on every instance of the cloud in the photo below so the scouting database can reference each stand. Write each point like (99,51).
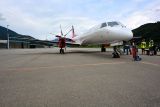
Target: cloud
(40,26)
(40,18)
(1,17)
(137,19)
(150,14)
(138,1)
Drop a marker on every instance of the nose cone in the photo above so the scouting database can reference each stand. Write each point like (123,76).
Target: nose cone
(128,34)
(119,33)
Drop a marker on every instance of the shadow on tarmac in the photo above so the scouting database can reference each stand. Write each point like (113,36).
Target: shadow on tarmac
(107,54)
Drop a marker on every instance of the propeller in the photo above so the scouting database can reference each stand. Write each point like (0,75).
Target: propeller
(62,35)
(62,38)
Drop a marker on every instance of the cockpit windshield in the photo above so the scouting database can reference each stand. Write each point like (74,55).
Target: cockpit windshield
(111,24)
(103,24)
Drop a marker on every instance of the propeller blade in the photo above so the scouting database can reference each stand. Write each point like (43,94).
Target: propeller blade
(67,32)
(55,35)
(58,36)
(61,30)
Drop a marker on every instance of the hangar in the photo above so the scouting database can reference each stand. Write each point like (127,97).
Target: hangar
(25,42)
(21,41)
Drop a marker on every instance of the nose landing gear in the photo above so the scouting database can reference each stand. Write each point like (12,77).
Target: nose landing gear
(115,54)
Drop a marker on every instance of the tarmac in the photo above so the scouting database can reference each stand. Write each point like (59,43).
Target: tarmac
(82,77)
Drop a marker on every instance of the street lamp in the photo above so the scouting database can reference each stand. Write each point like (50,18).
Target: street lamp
(7,37)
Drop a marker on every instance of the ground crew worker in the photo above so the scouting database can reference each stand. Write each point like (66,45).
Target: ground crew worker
(143,46)
(135,55)
(151,44)
(134,51)
(126,48)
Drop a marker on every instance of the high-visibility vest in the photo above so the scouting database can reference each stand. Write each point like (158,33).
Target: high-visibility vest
(143,44)
(151,43)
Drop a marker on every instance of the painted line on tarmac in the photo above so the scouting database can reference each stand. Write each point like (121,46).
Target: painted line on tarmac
(67,66)
(149,63)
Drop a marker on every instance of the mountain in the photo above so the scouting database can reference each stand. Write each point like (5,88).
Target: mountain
(147,31)
(3,34)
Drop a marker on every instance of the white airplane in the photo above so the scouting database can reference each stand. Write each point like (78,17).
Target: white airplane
(104,33)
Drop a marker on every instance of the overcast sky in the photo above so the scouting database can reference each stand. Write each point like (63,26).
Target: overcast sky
(39,18)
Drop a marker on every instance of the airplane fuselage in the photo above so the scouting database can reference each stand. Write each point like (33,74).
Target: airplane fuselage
(105,34)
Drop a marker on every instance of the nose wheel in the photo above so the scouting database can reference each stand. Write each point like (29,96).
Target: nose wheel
(115,54)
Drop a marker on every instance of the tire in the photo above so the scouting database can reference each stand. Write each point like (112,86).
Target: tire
(115,55)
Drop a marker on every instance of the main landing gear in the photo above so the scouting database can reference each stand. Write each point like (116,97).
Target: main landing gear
(115,54)
(61,51)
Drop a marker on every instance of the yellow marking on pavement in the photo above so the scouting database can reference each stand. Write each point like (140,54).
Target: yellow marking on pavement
(65,66)
(149,63)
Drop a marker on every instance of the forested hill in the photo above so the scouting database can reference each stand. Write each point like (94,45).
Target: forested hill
(149,30)
(3,34)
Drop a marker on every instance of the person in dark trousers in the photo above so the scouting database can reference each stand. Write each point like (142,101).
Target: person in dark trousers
(126,48)
(151,48)
(155,49)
